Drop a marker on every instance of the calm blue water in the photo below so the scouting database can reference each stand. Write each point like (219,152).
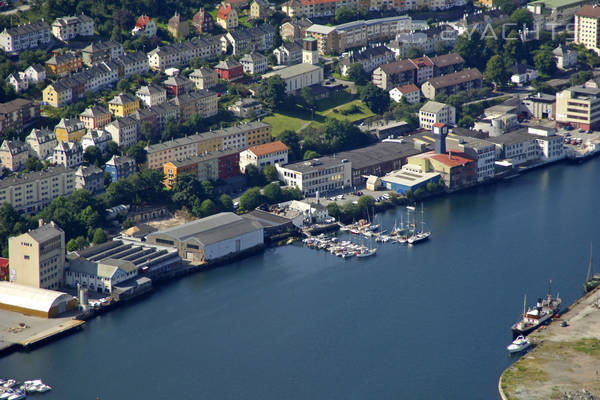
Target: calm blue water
(293,323)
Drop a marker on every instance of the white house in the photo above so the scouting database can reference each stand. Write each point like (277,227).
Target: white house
(522,74)
(265,154)
(68,154)
(565,57)
(35,73)
(18,82)
(152,95)
(410,92)
(98,276)
(433,112)
(96,137)
(316,212)
(254,63)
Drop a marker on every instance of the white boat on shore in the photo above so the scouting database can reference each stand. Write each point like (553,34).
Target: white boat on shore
(519,344)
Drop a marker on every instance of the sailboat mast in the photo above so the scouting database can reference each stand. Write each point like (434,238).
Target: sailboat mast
(589,271)
(524,304)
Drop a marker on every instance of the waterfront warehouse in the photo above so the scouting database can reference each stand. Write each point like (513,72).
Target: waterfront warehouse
(34,301)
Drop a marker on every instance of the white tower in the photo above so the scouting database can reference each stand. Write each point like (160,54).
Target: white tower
(310,54)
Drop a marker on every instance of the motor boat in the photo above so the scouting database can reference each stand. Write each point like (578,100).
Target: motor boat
(518,345)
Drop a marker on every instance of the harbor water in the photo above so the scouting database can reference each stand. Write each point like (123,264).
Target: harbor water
(430,321)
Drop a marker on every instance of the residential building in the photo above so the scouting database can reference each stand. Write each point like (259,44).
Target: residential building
(565,57)
(90,178)
(144,26)
(124,131)
(294,29)
(259,9)
(398,73)
(369,59)
(482,151)
(247,108)
(69,130)
(548,14)
(18,114)
(41,143)
(213,166)
(265,154)
(433,112)
(549,143)
(25,37)
(13,154)
(213,238)
(323,175)
(65,63)
(201,102)
(134,63)
(68,28)
(243,40)
(229,70)
(38,257)
(164,113)
(120,167)
(203,21)
(151,95)
(204,78)
(316,8)
(68,154)
(101,51)
(411,93)
(97,138)
(541,105)
(254,63)
(586,28)
(57,94)
(177,27)
(578,106)
(123,105)
(329,40)
(18,82)
(32,191)
(310,53)
(465,80)
(447,64)
(383,129)
(227,17)
(363,32)
(298,76)
(95,117)
(35,73)
(174,55)
(522,74)
(235,137)
(289,53)
(178,85)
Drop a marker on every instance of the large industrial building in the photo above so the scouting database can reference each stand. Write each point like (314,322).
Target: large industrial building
(34,301)
(213,238)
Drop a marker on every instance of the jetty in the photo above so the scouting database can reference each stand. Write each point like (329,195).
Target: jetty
(565,358)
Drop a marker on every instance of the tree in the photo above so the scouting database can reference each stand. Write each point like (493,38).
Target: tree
(466,122)
(506,6)
(496,72)
(123,85)
(291,140)
(334,210)
(225,202)
(345,14)
(149,132)
(207,208)
(366,203)
(357,74)
(93,155)
(471,49)
(272,192)
(545,62)
(441,47)
(513,48)
(270,173)
(138,152)
(522,17)
(33,164)
(272,91)
(375,98)
(208,189)
(579,78)
(414,52)
(115,36)
(99,236)
(112,149)
(123,18)
(250,199)
(309,154)
(308,97)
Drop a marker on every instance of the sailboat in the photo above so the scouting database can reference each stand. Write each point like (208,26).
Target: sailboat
(591,280)
(422,234)
(405,232)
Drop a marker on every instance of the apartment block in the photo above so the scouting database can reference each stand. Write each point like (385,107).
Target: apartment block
(67,28)
(578,106)
(25,37)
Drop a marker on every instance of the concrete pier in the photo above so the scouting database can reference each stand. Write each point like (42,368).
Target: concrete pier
(565,359)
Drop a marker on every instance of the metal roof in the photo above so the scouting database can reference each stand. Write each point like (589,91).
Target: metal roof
(30,298)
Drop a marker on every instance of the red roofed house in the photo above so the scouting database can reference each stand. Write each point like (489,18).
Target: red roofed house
(227,17)
(424,69)
(456,168)
(3,269)
(411,93)
(144,26)
(229,70)
(265,154)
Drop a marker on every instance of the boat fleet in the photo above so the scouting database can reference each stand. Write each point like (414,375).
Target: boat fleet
(11,390)
(344,249)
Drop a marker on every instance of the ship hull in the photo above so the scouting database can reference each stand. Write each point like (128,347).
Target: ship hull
(543,321)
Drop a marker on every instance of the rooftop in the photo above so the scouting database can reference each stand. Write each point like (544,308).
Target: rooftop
(433,107)
(33,176)
(292,71)
(29,297)
(409,178)
(378,153)
(268,148)
(455,78)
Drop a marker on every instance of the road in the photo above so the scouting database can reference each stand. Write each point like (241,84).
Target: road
(24,7)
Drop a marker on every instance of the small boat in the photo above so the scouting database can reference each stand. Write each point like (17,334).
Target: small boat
(18,396)
(9,383)
(44,388)
(518,345)
(366,253)
(6,394)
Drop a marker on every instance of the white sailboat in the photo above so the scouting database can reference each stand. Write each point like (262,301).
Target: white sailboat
(422,234)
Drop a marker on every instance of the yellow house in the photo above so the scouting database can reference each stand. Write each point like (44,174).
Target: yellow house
(56,95)
(258,136)
(210,143)
(259,9)
(123,105)
(69,130)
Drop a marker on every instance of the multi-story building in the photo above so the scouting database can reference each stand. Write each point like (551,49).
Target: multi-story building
(465,80)
(18,82)
(144,26)
(482,151)
(13,154)
(124,131)
(35,73)
(323,175)
(67,28)
(242,40)
(294,29)
(204,78)
(541,105)
(289,53)
(95,117)
(369,59)
(90,178)
(433,112)
(235,137)
(298,76)
(247,108)
(152,95)
(123,105)
(398,73)
(201,102)
(38,257)
(18,114)
(316,8)
(259,9)
(329,40)
(97,138)
(456,169)
(63,64)
(120,167)
(587,27)
(203,21)
(69,130)
(24,37)
(32,191)
(209,166)
(552,15)
(101,51)
(68,154)
(229,70)
(254,63)
(227,17)
(411,93)
(362,32)
(177,27)
(265,154)
(178,85)
(549,143)
(518,147)
(41,143)
(174,55)
(578,106)
(134,63)
(565,57)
